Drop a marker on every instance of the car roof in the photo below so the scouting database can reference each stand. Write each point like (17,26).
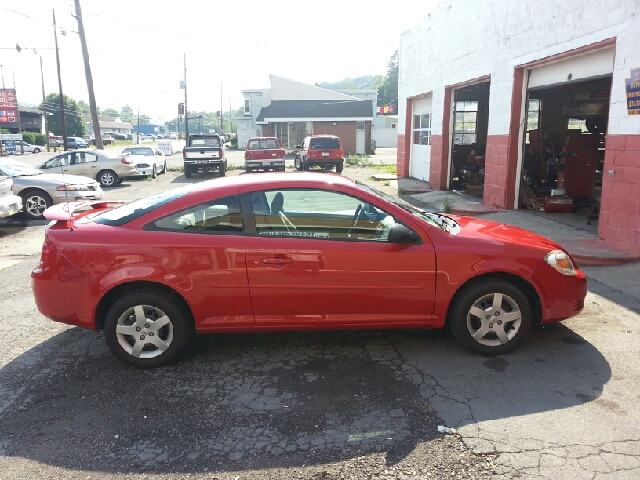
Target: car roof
(264,180)
(324,135)
(262,138)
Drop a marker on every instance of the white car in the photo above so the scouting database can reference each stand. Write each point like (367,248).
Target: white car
(9,203)
(173,136)
(148,160)
(27,147)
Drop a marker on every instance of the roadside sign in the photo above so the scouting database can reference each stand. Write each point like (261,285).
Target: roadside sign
(10,136)
(10,146)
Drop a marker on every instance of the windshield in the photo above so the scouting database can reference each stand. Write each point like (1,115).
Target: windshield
(129,211)
(16,169)
(437,220)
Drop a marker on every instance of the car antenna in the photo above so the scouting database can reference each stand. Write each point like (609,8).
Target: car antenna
(66,196)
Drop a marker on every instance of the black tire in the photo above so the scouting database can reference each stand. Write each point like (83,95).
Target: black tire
(223,169)
(164,167)
(35,202)
(129,328)
(36,150)
(107,178)
(500,336)
(298,163)
(154,172)
(340,167)
(249,169)
(187,171)
(305,165)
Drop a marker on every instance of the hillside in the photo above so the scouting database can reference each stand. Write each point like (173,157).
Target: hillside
(364,82)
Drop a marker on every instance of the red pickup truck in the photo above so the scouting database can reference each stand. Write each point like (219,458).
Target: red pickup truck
(264,153)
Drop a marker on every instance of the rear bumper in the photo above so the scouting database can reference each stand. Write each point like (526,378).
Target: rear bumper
(264,163)
(10,205)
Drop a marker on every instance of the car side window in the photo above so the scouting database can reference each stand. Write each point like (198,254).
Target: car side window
(311,213)
(59,161)
(85,157)
(221,215)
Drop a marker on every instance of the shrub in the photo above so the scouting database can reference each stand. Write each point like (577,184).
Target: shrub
(28,137)
(39,139)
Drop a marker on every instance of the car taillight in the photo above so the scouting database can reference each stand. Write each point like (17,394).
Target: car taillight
(125,161)
(184,155)
(341,153)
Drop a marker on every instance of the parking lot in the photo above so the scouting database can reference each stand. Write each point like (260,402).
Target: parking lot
(314,405)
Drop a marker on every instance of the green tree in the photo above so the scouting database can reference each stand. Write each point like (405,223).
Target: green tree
(84,108)
(74,120)
(109,112)
(388,91)
(126,114)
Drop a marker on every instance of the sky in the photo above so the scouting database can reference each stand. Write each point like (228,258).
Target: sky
(137,47)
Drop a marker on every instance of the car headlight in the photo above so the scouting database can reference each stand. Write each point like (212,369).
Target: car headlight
(73,188)
(561,262)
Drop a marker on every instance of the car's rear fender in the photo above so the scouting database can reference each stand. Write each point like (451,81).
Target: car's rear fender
(118,290)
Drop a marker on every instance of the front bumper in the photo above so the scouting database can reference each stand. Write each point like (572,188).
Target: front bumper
(264,163)
(10,205)
(561,296)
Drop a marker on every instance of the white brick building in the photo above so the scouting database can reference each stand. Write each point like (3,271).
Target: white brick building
(527,89)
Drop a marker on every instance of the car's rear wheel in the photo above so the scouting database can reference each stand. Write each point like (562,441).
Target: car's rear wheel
(249,169)
(305,165)
(298,163)
(147,328)
(339,167)
(490,317)
(154,172)
(35,202)
(36,150)
(107,178)
(223,169)
(187,171)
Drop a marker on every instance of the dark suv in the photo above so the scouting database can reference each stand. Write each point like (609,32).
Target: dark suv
(324,151)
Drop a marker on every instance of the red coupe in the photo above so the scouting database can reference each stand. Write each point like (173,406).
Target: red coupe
(293,251)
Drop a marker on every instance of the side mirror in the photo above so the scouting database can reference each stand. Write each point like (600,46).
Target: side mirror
(404,235)
(298,146)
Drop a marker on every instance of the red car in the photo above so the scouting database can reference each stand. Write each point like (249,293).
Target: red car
(324,151)
(303,251)
(264,153)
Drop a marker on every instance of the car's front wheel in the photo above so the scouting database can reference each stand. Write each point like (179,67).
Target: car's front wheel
(298,163)
(340,167)
(154,172)
(107,178)
(36,150)
(34,203)
(147,328)
(490,317)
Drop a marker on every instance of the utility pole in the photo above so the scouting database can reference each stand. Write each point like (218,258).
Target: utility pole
(186,108)
(87,73)
(230,115)
(138,135)
(46,128)
(62,123)
(221,130)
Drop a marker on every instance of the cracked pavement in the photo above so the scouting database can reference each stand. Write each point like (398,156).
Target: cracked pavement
(358,404)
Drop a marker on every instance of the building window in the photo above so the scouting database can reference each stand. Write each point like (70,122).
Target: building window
(466,123)
(247,107)
(422,129)
(394,125)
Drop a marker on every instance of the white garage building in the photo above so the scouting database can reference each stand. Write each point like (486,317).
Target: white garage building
(519,98)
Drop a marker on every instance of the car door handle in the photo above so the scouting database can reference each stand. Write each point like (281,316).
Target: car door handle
(277,261)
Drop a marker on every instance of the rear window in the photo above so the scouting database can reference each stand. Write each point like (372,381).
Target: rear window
(321,143)
(139,151)
(129,211)
(205,142)
(263,144)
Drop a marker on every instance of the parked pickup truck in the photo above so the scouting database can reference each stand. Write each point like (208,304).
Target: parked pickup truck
(204,153)
(264,153)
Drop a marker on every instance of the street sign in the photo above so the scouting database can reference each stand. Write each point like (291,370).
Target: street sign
(10,136)
(10,146)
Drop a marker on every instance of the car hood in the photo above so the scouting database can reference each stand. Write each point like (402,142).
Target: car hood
(53,178)
(499,232)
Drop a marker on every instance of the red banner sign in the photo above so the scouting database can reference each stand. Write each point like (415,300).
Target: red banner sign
(8,106)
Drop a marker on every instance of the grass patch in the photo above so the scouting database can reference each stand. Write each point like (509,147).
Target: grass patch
(401,191)
(447,207)
(386,183)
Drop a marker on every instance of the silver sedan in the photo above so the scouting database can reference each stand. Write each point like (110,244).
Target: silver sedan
(106,168)
(40,190)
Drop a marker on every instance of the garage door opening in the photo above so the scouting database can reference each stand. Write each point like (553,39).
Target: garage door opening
(469,138)
(564,145)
